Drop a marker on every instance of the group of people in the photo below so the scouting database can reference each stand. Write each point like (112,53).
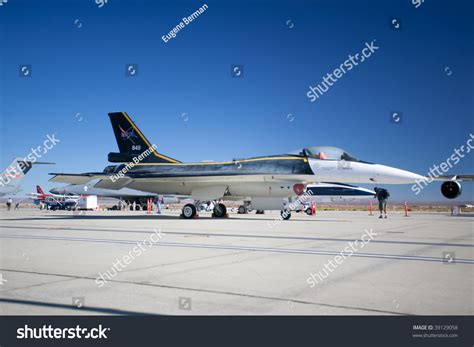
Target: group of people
(124,205)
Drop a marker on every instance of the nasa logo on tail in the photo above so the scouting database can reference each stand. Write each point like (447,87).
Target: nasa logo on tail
(128,134)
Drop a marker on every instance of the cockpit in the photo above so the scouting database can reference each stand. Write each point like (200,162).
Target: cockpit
(325,153)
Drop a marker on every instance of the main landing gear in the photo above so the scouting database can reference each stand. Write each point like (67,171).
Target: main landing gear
(242,210)
(190,211)
(220,211)
(285,214)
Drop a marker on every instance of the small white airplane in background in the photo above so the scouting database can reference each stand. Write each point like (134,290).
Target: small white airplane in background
(55,201)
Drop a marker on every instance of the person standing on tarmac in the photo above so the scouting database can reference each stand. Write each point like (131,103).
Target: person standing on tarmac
(382,196)
(9,204)
(158,205)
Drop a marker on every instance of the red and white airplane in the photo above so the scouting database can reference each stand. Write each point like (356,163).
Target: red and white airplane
(55,201)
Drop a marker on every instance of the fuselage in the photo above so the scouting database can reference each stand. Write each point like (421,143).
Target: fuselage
(270,176)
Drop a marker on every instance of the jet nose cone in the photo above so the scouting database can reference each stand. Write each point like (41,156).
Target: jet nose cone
(387,174)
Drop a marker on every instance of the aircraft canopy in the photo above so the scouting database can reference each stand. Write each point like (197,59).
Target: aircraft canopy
(325,153)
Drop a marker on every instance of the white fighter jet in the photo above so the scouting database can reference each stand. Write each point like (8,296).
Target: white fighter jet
(269,181)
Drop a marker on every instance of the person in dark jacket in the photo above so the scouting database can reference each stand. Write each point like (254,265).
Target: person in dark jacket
(382,196)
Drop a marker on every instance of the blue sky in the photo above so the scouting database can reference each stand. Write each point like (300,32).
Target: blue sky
(78,53)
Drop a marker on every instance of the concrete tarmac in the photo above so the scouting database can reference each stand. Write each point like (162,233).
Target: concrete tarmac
(62,263)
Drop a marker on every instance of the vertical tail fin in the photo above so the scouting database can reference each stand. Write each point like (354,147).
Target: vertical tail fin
(132,142)
(39,190)
(15,172)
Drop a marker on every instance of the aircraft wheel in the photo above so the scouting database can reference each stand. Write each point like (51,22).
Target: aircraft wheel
(285,214)
(220,211)
(189,211)
(242,210)
(308,211)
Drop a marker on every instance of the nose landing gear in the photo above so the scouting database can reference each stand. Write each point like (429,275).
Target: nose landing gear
(189,211)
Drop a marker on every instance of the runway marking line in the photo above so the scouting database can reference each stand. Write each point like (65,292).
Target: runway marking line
(247,248)
(244,235)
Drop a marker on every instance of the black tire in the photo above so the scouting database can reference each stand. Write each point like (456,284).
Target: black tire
(285,214)
(308,211)
(220,211)
(242,210)
(189,211)
(260,212)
